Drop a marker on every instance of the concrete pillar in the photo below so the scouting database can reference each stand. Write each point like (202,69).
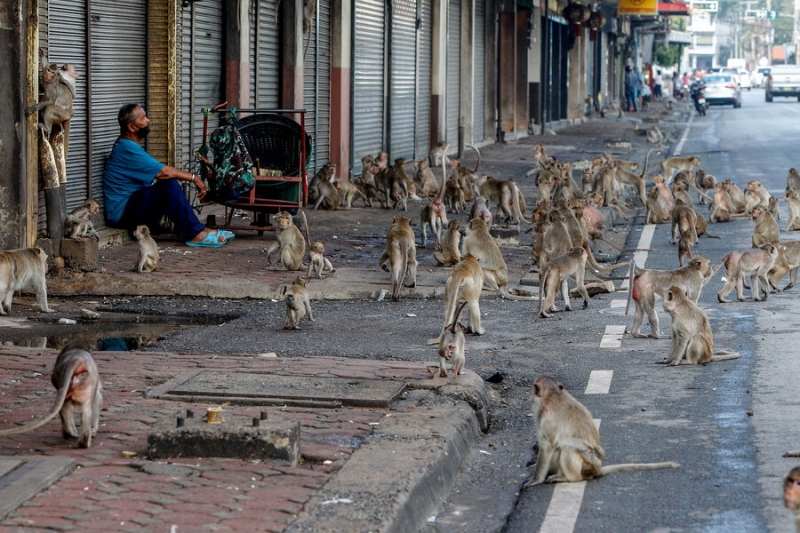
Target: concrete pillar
(575,69)
(15,128)
(467,89)
(291,17)
(232,51)
(490,71)
(244,53)
(341,45)
(521,72)
(438,71)
(506,82)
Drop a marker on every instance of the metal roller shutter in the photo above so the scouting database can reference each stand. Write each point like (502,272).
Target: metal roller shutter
(317,85)
(453,104)
(479,104)
(264,54)
(201,71)
(402,93)
(368,80)
(424,44)
(67,44)
(119,46)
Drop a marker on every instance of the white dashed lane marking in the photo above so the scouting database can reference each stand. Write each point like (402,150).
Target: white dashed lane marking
(613,336)
(599,382)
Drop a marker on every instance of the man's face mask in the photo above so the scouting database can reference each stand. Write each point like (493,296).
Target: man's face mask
(142,132)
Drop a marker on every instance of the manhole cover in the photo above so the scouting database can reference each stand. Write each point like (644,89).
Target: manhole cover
(249,388)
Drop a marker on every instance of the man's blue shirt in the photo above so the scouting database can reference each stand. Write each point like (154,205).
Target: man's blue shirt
(128,169)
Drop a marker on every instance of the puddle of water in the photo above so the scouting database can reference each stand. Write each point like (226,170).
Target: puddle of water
(111,333)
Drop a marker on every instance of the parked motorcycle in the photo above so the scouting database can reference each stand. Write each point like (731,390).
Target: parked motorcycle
(696,92)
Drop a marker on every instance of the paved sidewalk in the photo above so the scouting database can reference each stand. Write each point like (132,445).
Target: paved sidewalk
(362,468)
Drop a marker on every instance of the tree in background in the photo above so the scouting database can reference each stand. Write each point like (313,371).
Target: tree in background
(667,56)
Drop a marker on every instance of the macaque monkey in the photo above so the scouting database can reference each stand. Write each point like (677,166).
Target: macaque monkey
(787,263)
(464,176)
(454,197)
(148,250)
(701,228)
(703,183)
(451,346)
(465,282)
(317,262)
(450,253)
(480,244)
(393,187)
(348,192)
(438,154)
(676,164)
(59,93)
(401,254)
(77,384)
(721,206)
(309,7)
(791,493)
(425,179)
(773,207)
(322,191)
(368,191)
(680,191)
(367,162)
(555,274)
(410,185)
(434,215)
(658,179)
(692,338)
(569,442)
(297,304)
(78,224)
(657,208)
(754,262)
(685,244)
(503,193)
(556,240)
(654,135)
(793,205)
(737,197)
(645,285)
(762,195)
(21,269)
(625,177)
(793,179)
(684,219)
(290,243)
(480,210)
(766,229)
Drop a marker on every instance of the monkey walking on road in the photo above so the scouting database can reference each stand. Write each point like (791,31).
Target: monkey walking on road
(77,381)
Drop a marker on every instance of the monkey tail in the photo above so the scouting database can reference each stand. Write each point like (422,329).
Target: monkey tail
(444,175)
(57,405)
(305,225)
(631,280)
(515,193)
(505,294)
(627,467)
(479,158)
(597,267)
(724,355)
(646,160)
(452,327)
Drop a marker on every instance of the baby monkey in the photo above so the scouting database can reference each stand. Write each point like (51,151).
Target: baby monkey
(317,262)
(451,345)
(791,494)
(78,224)
(148,250)
(297,304)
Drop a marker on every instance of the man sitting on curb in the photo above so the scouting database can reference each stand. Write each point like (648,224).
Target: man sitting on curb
(140,190)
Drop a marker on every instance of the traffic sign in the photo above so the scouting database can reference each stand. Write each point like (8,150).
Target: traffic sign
(711,5)
(756,13)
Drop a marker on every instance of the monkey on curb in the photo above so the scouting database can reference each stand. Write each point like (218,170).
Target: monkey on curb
(569,442)
(317,262)
(148,250)
(450,253)
(401,254)
(556,273)
(692,338)
(21,269)
(77,384)
(451,346)
(791,493)
(297,304)
(290,243)
(78,224)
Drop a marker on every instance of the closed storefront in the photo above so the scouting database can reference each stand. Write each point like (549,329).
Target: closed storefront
(201,71)
(453,103)
(108,48)
(264,54)
(479,104)
(317,84)
(402,66)
(424,44)
(368,80)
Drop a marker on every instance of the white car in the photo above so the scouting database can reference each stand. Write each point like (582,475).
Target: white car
(745,81)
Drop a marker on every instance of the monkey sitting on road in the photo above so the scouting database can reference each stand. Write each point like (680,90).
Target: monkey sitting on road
(148,250)
(450,253)
(77,381)
(78,224)
(480,210)
(290,244)
(753,262)
(297,304)
(569,442)
(451,346)
(692,338)
(321,189)
(317,262)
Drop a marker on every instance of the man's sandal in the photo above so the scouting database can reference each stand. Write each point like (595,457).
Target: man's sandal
(210,241)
